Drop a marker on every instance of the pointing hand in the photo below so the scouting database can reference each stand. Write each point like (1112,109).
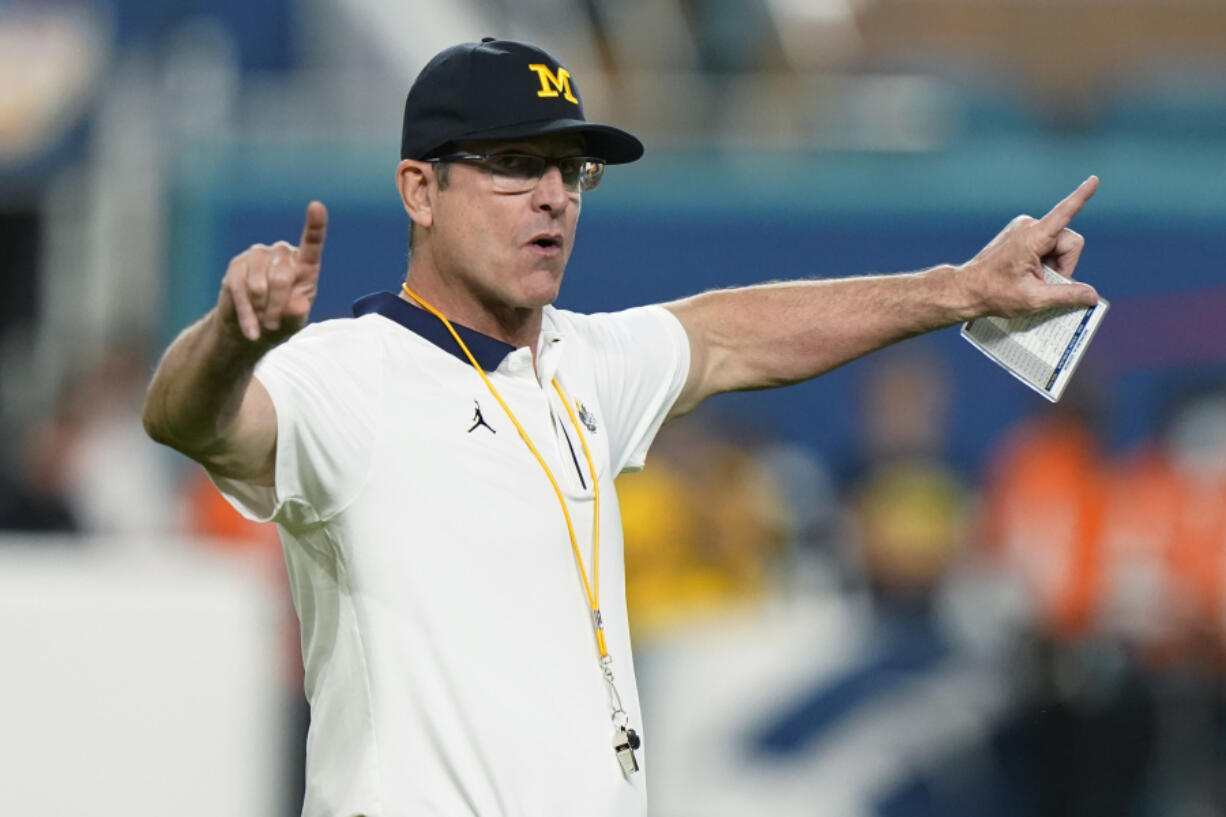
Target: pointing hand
(267,292)
(1006,277)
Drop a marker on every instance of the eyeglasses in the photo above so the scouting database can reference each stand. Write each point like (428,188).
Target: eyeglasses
(520,172)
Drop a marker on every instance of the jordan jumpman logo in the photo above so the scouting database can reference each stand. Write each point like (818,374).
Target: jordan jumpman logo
(478,420)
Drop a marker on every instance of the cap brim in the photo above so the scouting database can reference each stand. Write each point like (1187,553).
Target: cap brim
(606,142)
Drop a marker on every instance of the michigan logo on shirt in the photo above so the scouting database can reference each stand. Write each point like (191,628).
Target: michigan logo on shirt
(586,417)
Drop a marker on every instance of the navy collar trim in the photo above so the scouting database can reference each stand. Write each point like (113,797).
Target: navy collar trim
(489,352)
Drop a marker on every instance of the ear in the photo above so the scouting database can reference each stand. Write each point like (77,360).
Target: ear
(415,181)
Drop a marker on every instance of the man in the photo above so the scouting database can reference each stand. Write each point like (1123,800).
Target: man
(441,467)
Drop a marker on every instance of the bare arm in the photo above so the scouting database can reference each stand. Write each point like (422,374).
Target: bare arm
(203,400)
(776,334)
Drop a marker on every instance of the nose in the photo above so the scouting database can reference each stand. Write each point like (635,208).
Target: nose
(550,193)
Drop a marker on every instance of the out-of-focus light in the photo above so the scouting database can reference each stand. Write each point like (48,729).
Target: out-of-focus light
(50,60)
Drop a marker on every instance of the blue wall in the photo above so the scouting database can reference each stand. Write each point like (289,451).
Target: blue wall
(263,31)
(677,223)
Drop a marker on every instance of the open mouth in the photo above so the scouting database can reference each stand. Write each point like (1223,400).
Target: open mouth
(547,242)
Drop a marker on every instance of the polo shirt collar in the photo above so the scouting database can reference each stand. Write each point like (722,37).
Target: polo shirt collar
(489,352)
(549,350)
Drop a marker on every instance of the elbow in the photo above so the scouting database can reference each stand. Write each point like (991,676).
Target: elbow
(172,430)
(154,419)
(149,419)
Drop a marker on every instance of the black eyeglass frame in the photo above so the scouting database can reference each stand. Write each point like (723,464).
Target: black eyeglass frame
(537,165)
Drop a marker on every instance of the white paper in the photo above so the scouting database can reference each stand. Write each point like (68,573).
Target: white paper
(1041,349)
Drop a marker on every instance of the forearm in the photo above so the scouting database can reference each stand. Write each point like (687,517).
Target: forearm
(776,334)
(772,335)
(198,389)
(204,400)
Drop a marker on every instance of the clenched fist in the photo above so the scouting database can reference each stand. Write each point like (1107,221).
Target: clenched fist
(267,292)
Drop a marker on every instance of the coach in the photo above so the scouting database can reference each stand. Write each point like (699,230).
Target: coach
(441,465)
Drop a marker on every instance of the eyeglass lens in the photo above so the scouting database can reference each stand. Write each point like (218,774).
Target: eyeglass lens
(521,171)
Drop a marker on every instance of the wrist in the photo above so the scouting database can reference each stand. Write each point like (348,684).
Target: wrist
(953,293)
(226,351)
(229,346)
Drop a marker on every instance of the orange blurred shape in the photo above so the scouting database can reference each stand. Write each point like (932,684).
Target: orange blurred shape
(1045,509)
(1171,522)
(211,516)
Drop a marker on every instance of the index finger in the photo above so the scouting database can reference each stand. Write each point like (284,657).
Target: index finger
(311,247)
(1059,216)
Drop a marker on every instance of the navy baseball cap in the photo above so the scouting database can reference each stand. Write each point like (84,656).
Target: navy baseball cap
(500,89)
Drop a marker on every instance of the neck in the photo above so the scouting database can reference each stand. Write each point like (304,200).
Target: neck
(518,326)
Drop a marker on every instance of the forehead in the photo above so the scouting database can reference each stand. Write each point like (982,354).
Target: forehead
(554,144)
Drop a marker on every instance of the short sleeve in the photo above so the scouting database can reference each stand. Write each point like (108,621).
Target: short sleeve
(643,357)
(327,399)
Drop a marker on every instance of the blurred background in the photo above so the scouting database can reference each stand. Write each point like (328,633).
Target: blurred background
(909,588)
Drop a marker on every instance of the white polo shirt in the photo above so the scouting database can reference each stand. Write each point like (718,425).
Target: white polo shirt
(450,662)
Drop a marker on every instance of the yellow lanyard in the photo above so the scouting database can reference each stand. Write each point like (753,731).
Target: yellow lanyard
(625,739)
(592,589)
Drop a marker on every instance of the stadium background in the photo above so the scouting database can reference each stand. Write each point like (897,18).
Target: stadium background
(143,144)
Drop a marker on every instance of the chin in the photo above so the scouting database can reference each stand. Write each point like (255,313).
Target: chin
(538,300)
(537,292)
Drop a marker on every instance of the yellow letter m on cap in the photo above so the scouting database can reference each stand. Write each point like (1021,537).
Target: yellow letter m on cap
(552,84)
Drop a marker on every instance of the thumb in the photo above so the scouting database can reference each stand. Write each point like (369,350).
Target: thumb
(1066,295)
(311,246)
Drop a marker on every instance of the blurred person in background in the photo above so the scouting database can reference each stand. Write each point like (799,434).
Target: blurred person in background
(34,482)
(1122,562)
(1167,537)
(68,479)
(856,696)
(906,510)
(908,504)
(702,528)
(1164,596)
(450,663)
(1085,715)
(139,498)
(1044,512)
